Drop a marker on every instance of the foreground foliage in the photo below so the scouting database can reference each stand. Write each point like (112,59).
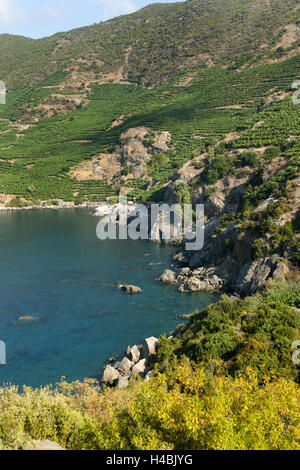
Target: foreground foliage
(201,402)
(185,409)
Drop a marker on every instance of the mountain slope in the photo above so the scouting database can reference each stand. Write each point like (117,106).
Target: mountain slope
(157,41)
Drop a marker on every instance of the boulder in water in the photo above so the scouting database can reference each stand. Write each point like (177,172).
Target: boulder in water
(132,289)
(168,277)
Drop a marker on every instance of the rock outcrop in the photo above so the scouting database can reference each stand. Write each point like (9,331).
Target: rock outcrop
(177,332)
(150,375)
(138,362)
(194,280)
(280,272)
(254,275)
(138,145)
(123,382)
(134,151)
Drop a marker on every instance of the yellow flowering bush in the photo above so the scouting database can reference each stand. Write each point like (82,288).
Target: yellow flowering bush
(187,408)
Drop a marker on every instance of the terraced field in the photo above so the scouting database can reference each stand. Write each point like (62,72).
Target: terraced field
(37,152)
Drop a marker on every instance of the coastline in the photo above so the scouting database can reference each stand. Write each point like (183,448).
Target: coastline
(65,205)
(188,280)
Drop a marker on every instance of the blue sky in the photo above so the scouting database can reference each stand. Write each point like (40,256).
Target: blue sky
(39,18)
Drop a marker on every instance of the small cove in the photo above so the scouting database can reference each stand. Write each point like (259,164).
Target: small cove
(53,268)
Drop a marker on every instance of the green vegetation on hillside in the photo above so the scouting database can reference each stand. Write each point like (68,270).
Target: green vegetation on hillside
(256,332)
(160,39)
(45,152)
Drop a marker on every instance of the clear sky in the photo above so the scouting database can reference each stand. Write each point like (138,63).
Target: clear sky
(39,18)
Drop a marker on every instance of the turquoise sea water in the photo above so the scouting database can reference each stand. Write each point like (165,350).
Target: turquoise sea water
(53,267)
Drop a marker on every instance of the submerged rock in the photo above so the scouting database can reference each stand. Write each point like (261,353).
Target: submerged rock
(26,319)
(185,316)
(118,285)
(129,289)
(132,289)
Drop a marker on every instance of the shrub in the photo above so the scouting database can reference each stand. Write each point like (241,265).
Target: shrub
(272,152)
(259,248)
(249,158)
(183,409)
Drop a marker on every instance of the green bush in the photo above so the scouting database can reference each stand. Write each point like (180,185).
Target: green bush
(271,153)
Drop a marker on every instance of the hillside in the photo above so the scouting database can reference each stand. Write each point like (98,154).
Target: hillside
(156,42)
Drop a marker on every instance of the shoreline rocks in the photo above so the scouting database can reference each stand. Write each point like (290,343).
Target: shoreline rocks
(194,280)
(125,366)
(110,376)
(177,332)
(150,348)
(60,205)
(243,279)
(139,368)
(134,354)
(138,362)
